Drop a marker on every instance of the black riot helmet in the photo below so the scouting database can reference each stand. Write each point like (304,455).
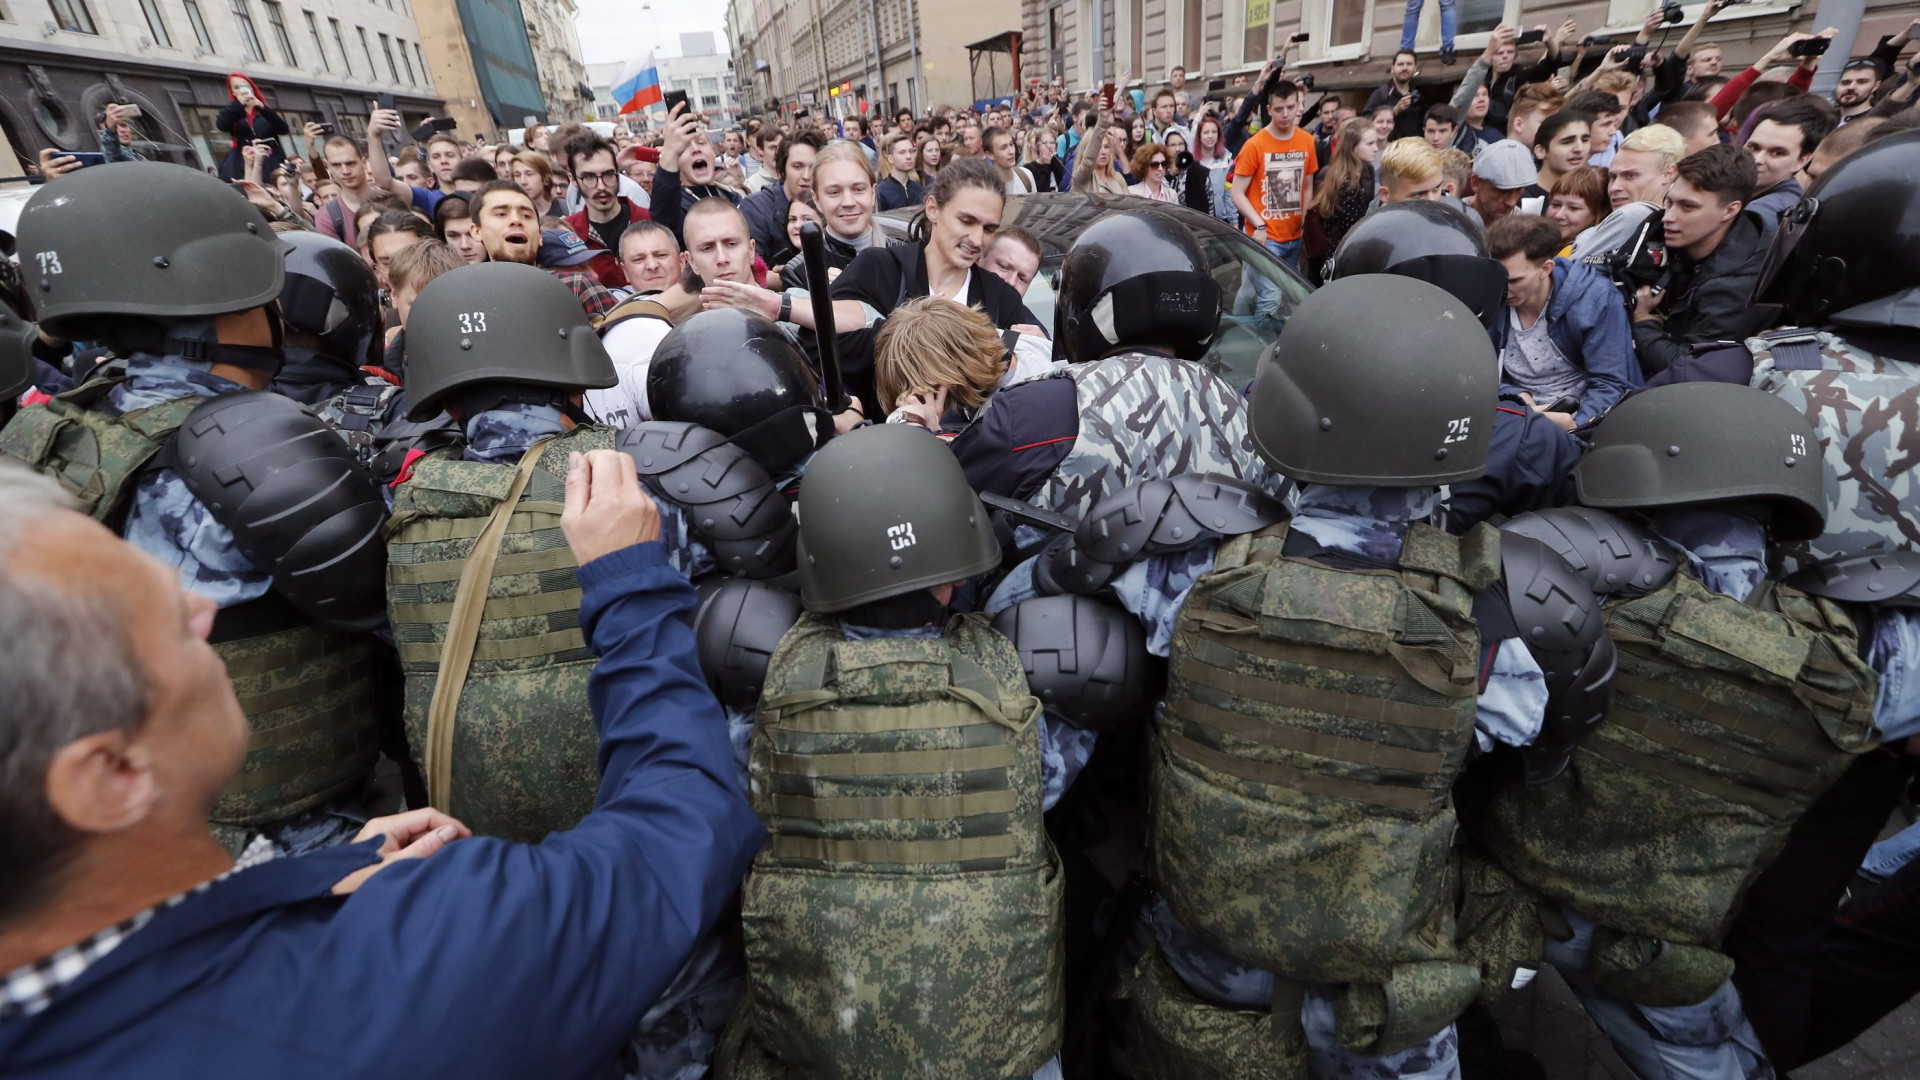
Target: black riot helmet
(1432,242)
(1135,279)
(886,511)
(148,240)
(1845,253)
(1689,444)
(499,323)
(1378,381)
(727,370)
(740,375)
(331,293)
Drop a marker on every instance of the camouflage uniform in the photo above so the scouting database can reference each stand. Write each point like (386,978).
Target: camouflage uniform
(1710,1039)
(165,520)
(1146,417)
(777,891)
(1370,523)
(1866,409)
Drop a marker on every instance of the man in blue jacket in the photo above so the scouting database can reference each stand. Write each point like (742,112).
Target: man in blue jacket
(132,944)
(1569,345)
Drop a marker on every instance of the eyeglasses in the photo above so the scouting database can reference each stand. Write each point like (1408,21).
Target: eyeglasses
(597,179)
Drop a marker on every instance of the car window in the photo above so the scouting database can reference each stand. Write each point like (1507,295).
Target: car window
(1040,298)
(1257,294)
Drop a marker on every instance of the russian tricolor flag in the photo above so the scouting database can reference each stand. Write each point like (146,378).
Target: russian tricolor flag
(638,87)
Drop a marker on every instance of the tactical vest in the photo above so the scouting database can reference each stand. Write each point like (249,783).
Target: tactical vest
(1145,417)
(1862,405)
(307,690)
(633,307)
(1728,720)
(904,917)
(1315,721)
(519,760)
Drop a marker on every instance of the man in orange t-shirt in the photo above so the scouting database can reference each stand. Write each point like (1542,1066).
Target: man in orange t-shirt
(1273,181)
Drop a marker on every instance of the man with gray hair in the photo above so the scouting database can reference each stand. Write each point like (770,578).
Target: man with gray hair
(130,939)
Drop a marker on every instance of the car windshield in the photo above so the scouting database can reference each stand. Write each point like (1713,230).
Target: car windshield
(1257,293)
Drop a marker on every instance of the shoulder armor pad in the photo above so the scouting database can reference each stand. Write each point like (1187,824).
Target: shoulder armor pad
(724,492)
(1552,604)
(1562,626)
(735,629)
(1173,515)
(394,443)
(298,503)
(1880,578)
(1086,660)
(1612,554)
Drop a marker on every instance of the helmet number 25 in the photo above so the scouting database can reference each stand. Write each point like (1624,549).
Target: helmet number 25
(473,322)
(1457,430)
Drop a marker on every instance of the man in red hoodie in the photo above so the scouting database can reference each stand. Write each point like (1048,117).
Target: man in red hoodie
(606,214)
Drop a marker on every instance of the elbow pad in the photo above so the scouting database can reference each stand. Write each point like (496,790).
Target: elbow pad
(1086,660)
(1560,622)
(736,627)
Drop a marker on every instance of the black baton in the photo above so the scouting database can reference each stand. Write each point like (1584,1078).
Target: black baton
(813,249)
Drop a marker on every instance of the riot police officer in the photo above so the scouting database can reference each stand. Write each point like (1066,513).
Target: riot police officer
(1137,309)
(259,506)
(1739,700)
(905,914)
(1325,690)
(1530,459)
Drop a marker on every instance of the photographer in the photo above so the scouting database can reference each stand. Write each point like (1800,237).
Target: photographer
(248,120)
(1782,52)
(116,133)
(1398,91)
(1716,245)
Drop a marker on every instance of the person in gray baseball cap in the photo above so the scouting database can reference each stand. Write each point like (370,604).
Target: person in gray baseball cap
(1501,172)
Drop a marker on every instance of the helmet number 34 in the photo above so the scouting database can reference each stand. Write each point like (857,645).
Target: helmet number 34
(901,535)
(473,322)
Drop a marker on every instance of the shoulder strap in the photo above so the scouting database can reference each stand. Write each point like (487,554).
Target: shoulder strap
(463,627)
(339,220)
(634,308)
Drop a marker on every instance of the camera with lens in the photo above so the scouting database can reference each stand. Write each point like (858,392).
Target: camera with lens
(1641,260)
(1672,12)
(1304,80)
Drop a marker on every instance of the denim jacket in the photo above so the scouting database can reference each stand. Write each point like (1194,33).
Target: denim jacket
(1589,325)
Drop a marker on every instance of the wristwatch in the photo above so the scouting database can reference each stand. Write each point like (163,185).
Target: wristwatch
(786,307)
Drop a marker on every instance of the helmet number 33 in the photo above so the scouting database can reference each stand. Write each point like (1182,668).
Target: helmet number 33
(473,322)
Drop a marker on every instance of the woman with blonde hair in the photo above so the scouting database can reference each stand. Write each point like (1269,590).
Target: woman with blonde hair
(533,174)
(1093,170)
(1345,188)
(935,363)
(901,181)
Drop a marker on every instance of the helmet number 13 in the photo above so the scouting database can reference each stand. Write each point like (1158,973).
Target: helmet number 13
(473,322)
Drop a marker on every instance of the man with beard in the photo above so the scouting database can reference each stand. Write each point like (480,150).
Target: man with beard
(509,229)
(688,166)
(607,214)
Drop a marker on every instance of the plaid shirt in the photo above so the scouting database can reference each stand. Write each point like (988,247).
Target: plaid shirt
(595,297)
(30,988)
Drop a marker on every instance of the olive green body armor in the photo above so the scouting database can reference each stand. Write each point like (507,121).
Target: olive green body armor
(1728,720)
(515,757)
(307,690)
(1315,721)
(904,917)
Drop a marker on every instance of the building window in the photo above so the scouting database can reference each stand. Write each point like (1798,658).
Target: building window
(710,87)
(277,18)
(249,38)
(1481,16)
(155,23)
(1259,13)
(406,61)
(340,42)
(422,57)
(74,16)
(372,71)
(199,24)
(319,45)
(386,47)
(1347,22)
